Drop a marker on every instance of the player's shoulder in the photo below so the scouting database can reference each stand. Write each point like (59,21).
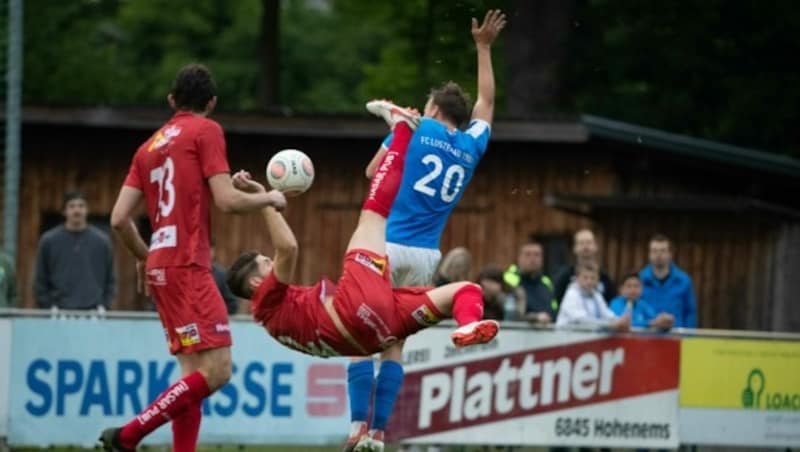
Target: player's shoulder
(206,123)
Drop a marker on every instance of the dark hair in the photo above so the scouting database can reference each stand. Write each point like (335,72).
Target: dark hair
(453,102)
(630,275)
(193,88)
(71,196)
(240,273)
(661,238)
(492,273)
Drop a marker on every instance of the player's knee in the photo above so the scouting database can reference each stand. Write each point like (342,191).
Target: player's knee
(218,368)
(393,353)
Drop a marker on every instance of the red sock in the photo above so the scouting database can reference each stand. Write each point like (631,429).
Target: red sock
(468,304)
(186,427)
(189,390)
(386,181)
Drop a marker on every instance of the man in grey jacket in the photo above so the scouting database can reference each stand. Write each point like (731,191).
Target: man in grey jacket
(74,263)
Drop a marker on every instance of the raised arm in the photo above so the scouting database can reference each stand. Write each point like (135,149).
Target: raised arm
(283,239)
(484,35)
(231,200)
(285,244)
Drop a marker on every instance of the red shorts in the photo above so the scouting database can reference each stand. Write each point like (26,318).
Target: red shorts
(191,308)
(374,313)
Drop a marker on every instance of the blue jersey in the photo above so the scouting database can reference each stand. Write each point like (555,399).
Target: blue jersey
(439,165)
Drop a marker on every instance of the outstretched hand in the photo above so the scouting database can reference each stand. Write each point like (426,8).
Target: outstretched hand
(487,32)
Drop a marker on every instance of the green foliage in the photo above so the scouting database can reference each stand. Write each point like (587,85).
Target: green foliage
(710,68)
(117,52)
(717,69)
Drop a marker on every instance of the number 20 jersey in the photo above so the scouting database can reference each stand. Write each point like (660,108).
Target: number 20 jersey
(172,170)
(439,164)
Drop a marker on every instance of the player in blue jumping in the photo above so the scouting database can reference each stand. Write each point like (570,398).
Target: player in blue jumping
(440,161)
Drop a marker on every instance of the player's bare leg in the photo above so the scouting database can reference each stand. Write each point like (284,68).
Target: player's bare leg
(464,301)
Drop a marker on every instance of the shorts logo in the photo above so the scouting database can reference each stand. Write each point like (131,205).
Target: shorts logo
(376,265)
(188,334)
(372,320)
(222,328)
(424,316)
(157,277)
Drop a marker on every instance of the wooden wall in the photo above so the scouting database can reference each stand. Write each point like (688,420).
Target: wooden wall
(730,259)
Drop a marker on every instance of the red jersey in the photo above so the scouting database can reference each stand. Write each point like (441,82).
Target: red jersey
(295,316)
(172,169)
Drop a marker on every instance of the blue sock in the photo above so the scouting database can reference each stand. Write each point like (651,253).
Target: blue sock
(360,377)
(390,378)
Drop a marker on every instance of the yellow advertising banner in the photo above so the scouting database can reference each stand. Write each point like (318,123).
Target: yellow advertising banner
(740,374)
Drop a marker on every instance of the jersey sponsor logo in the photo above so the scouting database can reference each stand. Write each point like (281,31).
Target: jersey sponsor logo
(157,277)
(164,137)
(164,237)
(376,265)
(222,328)
(188,334)
(424,316)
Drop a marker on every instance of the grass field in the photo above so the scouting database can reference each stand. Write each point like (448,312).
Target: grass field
(268,449)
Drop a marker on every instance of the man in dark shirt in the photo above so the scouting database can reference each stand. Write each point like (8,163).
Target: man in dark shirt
(231,301)
(539,305)
(74,263)
(585,248)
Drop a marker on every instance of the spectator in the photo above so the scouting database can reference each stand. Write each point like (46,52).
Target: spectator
(539,304)
(642,314)
(585,249)
(74,263)
(666,287)
(8,283)
(583,304)
(455,266)
(500,302)
(491,281)
(231,301)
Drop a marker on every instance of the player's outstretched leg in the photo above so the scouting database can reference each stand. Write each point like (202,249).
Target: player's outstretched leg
(464,300)
(392,114)
(370,233)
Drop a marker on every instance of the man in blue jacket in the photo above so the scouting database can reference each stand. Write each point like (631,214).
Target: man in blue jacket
(666,287)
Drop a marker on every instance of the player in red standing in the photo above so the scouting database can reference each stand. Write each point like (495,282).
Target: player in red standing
(178,172)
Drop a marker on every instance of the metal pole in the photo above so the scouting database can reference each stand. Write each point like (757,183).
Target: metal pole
(13,118)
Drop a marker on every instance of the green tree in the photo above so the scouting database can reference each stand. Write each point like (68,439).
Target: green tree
(720,70)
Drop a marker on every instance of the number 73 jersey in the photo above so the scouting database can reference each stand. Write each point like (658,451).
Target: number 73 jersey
(439,164)
(172,170)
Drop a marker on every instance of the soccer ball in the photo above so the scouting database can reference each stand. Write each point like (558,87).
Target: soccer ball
(290,171)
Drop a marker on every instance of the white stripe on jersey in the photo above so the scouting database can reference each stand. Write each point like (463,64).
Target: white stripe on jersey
(478,128)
